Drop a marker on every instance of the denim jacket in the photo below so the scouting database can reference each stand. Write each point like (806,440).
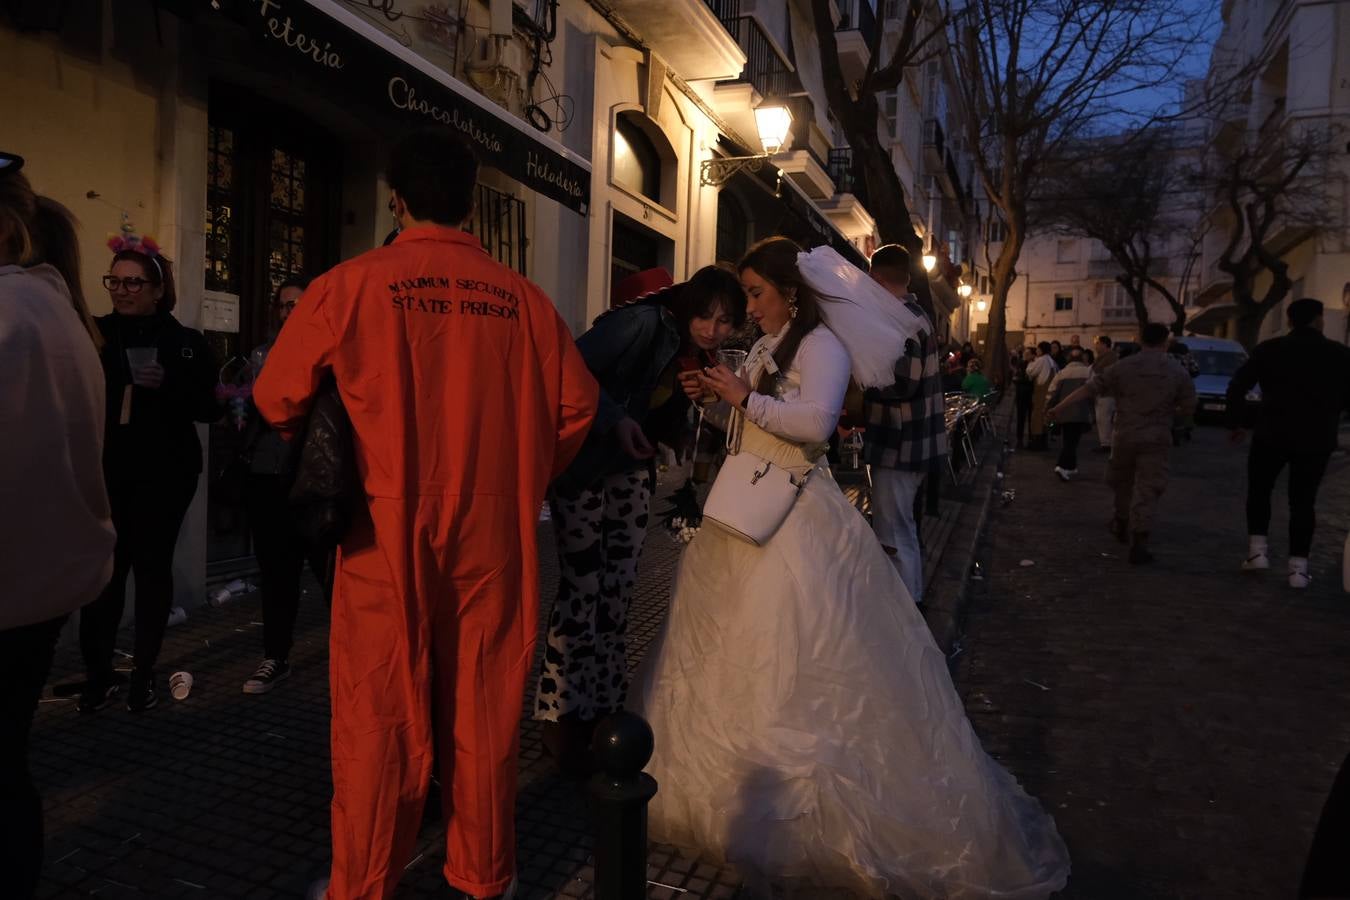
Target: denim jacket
(626,350)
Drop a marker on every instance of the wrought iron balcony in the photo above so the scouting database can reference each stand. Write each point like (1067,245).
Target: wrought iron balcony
(768,72)
(726,10)
(840,168)
(858,15)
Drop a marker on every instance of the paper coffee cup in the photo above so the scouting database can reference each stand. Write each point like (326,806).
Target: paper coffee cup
(180,685)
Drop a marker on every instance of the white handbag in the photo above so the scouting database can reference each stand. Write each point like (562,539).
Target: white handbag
(751,497)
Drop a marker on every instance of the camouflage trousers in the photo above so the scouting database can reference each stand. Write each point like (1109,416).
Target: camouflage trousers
(1138,475)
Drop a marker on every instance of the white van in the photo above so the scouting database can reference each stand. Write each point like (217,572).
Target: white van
(1218,359)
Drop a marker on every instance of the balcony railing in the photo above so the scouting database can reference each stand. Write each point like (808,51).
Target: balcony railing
(858,15)
(803,111)
(933,136)
(840,168)
(764,68)
(726,10)
(954,177)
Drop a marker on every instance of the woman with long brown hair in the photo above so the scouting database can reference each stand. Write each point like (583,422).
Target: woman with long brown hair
(807,729)
(56,532)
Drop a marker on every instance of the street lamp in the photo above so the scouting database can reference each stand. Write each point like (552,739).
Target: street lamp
(929,261)
(775,127)
(964,290)
(981,305)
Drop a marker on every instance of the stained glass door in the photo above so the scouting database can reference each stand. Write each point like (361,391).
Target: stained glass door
(272,195)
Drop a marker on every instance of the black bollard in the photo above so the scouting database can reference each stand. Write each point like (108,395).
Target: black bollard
(620,791)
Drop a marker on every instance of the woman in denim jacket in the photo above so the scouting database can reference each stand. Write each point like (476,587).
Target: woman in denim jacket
(600,504)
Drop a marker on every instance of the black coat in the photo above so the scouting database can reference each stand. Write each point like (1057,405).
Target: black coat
(626,350)
(160,440)
(1305,387)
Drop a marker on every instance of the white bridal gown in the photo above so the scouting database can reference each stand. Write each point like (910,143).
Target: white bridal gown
(807,730)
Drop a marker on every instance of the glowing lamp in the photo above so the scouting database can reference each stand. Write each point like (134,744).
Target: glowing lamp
(775,124)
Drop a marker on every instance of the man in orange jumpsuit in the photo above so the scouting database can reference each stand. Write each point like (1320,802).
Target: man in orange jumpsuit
(466,395)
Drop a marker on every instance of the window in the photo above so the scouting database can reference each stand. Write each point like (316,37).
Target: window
(996,232)
(221,231)
(498,221)
(637,164)
(890,111)
(1063,302)
(1116,304)
(984,284)
(1066,251)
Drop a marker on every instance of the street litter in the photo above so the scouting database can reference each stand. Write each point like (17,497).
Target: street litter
(1035,684)
(669,887)
(1027,563)
(191,884)
(177,616)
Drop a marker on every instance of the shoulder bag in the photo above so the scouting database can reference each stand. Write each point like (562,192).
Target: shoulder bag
(751,497)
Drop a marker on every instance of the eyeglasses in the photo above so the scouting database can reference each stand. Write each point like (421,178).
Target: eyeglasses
(130,285)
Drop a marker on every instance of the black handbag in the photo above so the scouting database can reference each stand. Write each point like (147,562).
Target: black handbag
(326,490)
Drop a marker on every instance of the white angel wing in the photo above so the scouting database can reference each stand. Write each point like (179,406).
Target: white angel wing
(871,324)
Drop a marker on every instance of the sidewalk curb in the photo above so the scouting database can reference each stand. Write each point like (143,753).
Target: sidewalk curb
(946,605)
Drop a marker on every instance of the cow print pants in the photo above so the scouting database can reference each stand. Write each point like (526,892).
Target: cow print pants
(600,531)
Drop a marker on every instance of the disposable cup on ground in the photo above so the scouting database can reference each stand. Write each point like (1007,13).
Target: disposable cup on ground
(180,685)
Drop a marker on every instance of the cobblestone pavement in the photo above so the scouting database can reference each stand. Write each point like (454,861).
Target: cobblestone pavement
(225,795)
(1183,722)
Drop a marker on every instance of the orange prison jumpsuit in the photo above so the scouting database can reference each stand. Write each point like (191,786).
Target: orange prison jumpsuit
(467,396)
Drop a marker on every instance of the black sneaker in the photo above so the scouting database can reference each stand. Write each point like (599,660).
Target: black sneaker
(266,676)
(96,695)
(141,692)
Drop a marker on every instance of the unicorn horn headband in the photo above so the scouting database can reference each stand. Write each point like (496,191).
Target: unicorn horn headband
(129,240)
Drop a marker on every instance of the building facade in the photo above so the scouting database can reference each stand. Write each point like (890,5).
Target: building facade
(1068,286)
(1300,51)
(249,138)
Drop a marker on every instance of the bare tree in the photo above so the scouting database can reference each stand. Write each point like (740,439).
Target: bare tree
(1273,192)
(857,108)
(1135,195)
(1039,75)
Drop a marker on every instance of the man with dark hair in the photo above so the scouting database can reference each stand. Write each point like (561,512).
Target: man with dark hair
(466,396)
(1150,389)
(906,435)
(1305,387)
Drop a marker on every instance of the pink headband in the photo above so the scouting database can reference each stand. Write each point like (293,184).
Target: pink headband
(145,246)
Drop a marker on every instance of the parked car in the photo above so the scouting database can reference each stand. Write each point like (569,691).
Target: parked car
(1218,360)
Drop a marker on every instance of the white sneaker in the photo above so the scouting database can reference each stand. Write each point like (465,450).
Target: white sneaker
(1298,574)
(1064,474)
(1257,562)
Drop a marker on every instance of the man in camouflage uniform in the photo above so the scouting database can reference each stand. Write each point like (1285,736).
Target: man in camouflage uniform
(1150,388)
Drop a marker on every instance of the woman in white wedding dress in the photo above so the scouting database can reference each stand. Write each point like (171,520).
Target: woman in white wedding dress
(807,729)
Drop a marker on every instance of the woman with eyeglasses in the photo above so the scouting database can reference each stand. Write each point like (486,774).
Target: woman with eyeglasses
(267,459)
(161,380)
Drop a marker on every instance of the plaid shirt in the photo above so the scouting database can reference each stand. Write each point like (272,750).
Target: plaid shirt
(906,425)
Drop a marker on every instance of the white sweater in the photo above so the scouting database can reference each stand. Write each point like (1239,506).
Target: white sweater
(811,393)
(56,533)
